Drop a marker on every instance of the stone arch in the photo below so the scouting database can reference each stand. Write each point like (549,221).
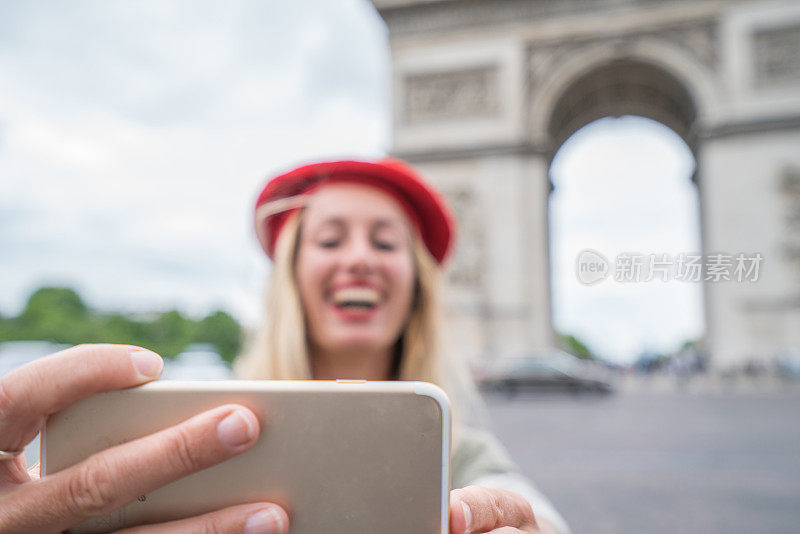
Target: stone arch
(493,80)
(646,63)
(623,87)
(637,80)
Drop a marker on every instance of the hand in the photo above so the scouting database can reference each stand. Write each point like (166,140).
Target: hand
(476,509)
(115,476)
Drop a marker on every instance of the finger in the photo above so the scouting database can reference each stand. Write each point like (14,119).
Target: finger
(116,476)
(32,392)
(248,518)
(13,472)
(477,509)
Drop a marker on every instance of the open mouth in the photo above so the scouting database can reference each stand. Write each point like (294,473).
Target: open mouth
(356,298)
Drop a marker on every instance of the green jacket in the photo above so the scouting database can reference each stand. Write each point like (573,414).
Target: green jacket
(479,459)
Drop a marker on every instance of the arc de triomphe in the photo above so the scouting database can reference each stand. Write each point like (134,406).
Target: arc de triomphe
(485,92)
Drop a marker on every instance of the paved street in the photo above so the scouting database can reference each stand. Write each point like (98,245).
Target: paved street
(661,462)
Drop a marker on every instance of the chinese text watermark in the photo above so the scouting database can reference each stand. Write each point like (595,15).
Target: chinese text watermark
(592,267)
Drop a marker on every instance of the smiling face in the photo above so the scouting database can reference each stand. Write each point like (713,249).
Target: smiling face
(354,268)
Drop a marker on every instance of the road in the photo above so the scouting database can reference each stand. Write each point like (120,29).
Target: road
(661,462)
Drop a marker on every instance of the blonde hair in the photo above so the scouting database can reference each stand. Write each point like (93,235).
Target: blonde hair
(278,349)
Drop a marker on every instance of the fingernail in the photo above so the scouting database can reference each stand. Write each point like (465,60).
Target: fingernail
(148,364)
(267,521)
(467,516)
(235,430)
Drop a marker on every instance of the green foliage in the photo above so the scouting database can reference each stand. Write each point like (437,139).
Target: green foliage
(221,330)
(169,332)
(690,344)
(53,314)
(59,315)
(575,346)
(54,300)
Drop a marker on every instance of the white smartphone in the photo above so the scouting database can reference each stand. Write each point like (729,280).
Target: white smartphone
(349,456)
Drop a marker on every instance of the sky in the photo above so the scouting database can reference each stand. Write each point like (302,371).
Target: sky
(135,137)
(623,186)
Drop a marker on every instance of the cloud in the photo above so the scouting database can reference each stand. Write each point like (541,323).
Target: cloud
(136,136)
(623,185)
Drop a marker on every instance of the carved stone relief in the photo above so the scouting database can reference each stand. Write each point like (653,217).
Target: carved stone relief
(432,17)
(468,266)
(777,55)
(790,189)
(451,95)
(699,39)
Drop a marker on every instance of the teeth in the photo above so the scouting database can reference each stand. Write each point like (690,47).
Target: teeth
(358,296)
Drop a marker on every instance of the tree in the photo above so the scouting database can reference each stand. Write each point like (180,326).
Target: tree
(49,300)
(575,346)
(58,314)
(222,331)
(55,314)
(169,333)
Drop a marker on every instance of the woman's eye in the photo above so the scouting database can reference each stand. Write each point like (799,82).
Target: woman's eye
(329,243)
(384,245)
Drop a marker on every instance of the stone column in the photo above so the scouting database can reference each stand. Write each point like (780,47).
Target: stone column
(751,194)
(498,284)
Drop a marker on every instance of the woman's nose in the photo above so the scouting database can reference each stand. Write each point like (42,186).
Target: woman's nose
(359,255)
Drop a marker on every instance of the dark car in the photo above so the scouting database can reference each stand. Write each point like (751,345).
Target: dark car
(553,370)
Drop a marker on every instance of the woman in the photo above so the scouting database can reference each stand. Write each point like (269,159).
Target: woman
(357,249)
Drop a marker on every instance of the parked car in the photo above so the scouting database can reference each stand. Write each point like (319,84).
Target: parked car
(552,370)
(787,364)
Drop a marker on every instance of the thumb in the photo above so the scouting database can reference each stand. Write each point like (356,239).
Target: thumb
(477,509)
(460,514)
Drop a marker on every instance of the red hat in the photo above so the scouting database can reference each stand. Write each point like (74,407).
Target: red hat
(425,207)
